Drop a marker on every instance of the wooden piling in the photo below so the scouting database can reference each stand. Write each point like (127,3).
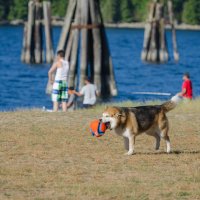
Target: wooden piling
(48,31)
(75,45)
(107,74)
(67,25)
(154,45)
(30,24)
(147,32)
(24,44)
(171,18)
(33,52)
(84,27)
(69,45)
(161,44)
(152,55)
(84,41)
(97,43)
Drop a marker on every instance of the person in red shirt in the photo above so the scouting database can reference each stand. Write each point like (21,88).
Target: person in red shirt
(186,91)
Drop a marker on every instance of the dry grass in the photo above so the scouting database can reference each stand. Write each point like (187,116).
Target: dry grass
(53,156)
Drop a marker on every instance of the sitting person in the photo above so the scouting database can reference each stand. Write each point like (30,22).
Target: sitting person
(89,93)
(186,92)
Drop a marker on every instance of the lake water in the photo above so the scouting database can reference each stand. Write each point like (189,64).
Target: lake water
(23,86)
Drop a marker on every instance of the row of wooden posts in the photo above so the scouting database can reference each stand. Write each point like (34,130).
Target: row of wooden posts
(39,18)
(84,40)
(155,43)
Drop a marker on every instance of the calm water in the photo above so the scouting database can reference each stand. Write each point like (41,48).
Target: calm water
(24,85)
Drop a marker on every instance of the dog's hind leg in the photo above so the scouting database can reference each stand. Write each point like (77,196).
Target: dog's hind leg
(164,128)
(165,136)
(156,135)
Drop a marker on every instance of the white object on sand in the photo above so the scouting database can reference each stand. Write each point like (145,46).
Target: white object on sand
(176,99)
(46,110)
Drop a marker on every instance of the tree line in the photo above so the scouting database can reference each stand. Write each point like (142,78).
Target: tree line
(113,11)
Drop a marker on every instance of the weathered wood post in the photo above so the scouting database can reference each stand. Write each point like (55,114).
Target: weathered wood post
(84,40)
(97,44)
(38,32)
(39,16)
(28,50)
(171,18)
(24,44)
(147,32)
(154,45)
(48,31)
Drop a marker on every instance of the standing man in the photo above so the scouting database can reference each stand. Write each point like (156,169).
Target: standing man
(60,87)
(90,92)
(186,91)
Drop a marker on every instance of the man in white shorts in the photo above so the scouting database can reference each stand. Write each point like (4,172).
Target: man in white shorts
(90,93)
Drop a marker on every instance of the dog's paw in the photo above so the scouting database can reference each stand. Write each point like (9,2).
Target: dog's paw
(157,148)
(129,153)
(168,151)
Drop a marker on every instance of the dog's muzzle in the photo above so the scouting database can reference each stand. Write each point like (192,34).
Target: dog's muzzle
(108,125)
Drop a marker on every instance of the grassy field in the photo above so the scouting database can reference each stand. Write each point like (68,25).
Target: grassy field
(53,156)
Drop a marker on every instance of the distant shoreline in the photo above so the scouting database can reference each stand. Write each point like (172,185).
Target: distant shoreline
(139,25)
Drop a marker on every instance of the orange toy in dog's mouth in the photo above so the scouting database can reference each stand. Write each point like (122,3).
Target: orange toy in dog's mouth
(98,128)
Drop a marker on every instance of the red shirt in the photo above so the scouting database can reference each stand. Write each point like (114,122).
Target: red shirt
(187,85)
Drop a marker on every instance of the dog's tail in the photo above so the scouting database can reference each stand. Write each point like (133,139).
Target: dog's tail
(167,106)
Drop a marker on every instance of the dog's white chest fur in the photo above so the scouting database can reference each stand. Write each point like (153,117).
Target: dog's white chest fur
(123,132)
(126,133)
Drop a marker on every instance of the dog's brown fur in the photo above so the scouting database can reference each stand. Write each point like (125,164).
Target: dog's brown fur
(130,122)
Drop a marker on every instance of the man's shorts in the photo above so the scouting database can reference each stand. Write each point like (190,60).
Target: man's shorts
(60,91)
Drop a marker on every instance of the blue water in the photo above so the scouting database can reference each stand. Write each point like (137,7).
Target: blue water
(23,86)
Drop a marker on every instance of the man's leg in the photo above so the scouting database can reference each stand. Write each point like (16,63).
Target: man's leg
(55,96)
(64,106)
(64,95)
(55,106)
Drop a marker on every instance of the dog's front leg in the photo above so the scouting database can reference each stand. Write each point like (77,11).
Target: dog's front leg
(131,144)
(126,143)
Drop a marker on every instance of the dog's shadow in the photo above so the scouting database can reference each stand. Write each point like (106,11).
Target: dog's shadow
(175,152)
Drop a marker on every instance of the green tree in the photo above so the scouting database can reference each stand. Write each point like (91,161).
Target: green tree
(4,8)
(1,11)
(191,12)
(126,9)
(110,10)
(178,8)
(18,9)
(187,11)
(59,7)
(140,9)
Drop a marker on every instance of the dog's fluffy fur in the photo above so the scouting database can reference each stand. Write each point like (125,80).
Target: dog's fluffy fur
(130,122)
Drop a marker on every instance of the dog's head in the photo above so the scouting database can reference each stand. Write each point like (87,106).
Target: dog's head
(112,117)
